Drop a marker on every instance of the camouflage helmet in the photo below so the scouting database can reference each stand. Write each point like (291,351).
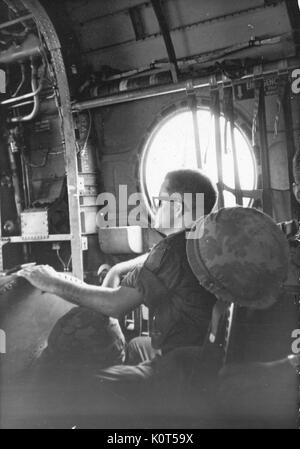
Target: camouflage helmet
(86,338)
(239,255)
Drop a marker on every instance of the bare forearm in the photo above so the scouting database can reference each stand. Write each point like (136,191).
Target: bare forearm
(81,294)
(110,302)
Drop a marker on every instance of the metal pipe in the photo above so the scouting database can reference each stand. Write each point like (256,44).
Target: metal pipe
(12,149)
(130,84)
(21,82)
(23,97)
(36,100)
(151,92)
(26,103)
(31,47)
(15,10)
(130,96)
(27,181)
(24,181)
(15,21)
(29,117)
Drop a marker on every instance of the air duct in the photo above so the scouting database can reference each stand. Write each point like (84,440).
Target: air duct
(129,84)
(30,48)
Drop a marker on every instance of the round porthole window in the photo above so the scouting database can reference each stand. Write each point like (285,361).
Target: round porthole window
(171,146)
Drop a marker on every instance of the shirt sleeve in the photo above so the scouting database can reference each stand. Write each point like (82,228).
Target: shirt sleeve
(157,277)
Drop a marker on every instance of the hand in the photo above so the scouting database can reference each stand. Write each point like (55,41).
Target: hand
(112,278)
(42,277)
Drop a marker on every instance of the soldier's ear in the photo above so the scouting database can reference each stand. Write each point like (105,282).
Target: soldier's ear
(178,209)
(176,199)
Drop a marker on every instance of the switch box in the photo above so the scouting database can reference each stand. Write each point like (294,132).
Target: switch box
(34,224)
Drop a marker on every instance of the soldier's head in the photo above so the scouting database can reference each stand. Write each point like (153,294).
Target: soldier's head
(185,196)
(296,171)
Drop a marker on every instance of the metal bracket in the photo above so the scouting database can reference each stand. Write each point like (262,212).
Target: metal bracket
(258,72)
(190,89)
(213,82)
(227,82)
(84,243)
(81,184)
(283,68)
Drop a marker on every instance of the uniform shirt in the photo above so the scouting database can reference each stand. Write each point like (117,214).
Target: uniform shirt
(181,308)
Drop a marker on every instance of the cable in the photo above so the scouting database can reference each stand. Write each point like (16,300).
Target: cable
(69,263)
(66,267)
(61,260)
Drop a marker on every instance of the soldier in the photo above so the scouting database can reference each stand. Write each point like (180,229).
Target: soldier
(242,257)
(164,283)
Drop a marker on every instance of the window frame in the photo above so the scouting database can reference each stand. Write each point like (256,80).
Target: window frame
(242,123)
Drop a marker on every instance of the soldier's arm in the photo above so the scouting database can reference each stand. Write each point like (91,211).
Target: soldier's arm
(111,302)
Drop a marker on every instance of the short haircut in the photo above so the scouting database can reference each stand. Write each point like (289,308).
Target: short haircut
(193,181)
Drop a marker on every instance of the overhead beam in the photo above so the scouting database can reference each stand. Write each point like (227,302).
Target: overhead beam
(96,18)
(137,22)
(15,21)
(164,28)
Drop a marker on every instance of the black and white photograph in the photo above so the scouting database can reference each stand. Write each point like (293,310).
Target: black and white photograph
(149,217)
